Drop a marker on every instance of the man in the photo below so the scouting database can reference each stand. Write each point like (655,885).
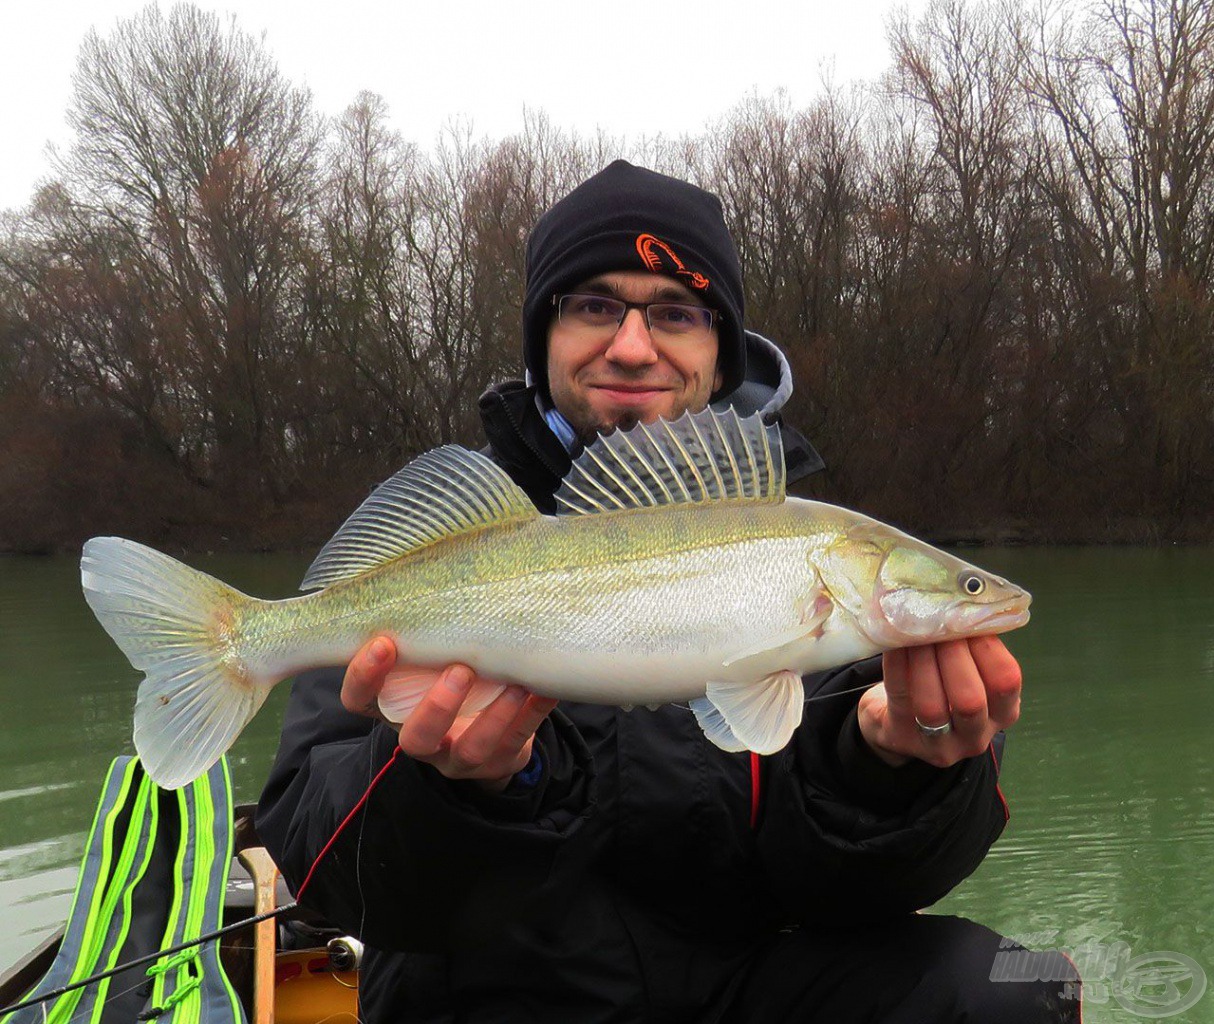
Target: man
(583,863)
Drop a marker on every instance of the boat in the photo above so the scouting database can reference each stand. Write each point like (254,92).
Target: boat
(288,969)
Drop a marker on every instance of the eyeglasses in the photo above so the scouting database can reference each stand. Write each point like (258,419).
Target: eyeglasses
(601,315)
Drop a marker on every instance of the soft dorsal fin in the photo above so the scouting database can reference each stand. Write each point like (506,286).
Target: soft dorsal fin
(447,491)
(700,457)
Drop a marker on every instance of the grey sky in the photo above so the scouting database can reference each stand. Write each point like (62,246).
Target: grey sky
(630,66)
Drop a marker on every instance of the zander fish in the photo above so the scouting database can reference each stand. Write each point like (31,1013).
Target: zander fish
(677,570)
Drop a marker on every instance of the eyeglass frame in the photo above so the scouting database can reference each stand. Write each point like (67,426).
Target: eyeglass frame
(714,317)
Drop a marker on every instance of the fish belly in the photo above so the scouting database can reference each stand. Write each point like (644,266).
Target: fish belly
(648,630)
(614,627)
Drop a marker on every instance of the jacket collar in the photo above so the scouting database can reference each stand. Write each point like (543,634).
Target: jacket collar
(523,444)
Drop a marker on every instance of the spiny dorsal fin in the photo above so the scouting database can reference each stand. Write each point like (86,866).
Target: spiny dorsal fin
(700,457)
(445,492)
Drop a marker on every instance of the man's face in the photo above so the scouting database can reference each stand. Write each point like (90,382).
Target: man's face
(628,376)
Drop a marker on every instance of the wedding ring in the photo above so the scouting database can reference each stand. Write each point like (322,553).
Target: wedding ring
(933,731)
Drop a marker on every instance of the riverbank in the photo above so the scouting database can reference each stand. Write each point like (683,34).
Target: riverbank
(304,527)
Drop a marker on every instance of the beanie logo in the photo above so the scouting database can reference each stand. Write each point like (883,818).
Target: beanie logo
(646,246)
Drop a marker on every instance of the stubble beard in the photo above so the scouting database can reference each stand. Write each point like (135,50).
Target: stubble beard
(589,423)
(592,432)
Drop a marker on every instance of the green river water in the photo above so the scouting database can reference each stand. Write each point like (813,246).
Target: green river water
(1109,774)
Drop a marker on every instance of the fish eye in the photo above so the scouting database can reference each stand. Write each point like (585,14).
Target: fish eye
(973,585)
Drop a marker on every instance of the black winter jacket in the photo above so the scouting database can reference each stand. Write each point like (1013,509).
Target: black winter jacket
(632,881)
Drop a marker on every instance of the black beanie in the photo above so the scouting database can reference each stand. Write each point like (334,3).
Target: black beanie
(630,218)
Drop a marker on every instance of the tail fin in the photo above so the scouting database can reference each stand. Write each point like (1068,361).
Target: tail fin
(170,621)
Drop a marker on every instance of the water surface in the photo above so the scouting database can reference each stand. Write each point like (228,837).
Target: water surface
(1109,775)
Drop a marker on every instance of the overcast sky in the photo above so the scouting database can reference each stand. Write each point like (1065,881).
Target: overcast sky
(630,66)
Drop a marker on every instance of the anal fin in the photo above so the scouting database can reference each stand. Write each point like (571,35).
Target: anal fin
(404,689)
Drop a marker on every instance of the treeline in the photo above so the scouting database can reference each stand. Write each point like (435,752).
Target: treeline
(226,317)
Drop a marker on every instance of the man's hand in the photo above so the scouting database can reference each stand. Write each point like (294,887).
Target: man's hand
(487,747)
(973,683)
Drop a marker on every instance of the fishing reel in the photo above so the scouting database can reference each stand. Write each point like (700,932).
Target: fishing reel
(345,953)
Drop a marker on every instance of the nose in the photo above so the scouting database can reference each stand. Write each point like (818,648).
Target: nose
(632,344)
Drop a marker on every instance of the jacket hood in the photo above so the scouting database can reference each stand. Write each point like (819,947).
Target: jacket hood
(766,388)
(768,382)
(522,442)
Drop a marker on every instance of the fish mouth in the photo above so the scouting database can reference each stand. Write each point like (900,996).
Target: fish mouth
(888,627)
(1000,618)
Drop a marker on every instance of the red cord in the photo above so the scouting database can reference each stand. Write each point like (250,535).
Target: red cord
(1007,811)
(349,817)
(756,784)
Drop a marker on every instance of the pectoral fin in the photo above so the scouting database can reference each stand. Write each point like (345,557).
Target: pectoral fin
(767,645)
(760,715)
(813,617)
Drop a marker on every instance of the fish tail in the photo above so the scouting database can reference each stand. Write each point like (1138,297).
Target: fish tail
(179,626)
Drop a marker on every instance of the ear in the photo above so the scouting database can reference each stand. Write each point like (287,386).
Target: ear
(718,377)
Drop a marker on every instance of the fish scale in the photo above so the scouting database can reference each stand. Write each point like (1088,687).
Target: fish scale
(680,571)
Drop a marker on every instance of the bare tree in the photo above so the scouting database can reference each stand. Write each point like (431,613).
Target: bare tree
(194,153)
(991,272)
(1131,91)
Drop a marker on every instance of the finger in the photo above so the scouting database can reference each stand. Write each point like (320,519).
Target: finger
(483,693)
(1001,676)
(895,669)
(365,675)
(501,737)
(424,734)
(880,731)
(514,749)
(481,741)
(966,695)
(493,747)
(928,702)
(523,729)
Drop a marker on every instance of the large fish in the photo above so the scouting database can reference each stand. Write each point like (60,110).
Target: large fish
(676,571)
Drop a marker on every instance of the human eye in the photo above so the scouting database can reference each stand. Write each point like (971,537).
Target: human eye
(593,309)
(676,317)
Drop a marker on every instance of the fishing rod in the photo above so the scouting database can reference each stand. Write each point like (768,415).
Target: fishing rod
(219,932)
(150,957)
(286,908)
